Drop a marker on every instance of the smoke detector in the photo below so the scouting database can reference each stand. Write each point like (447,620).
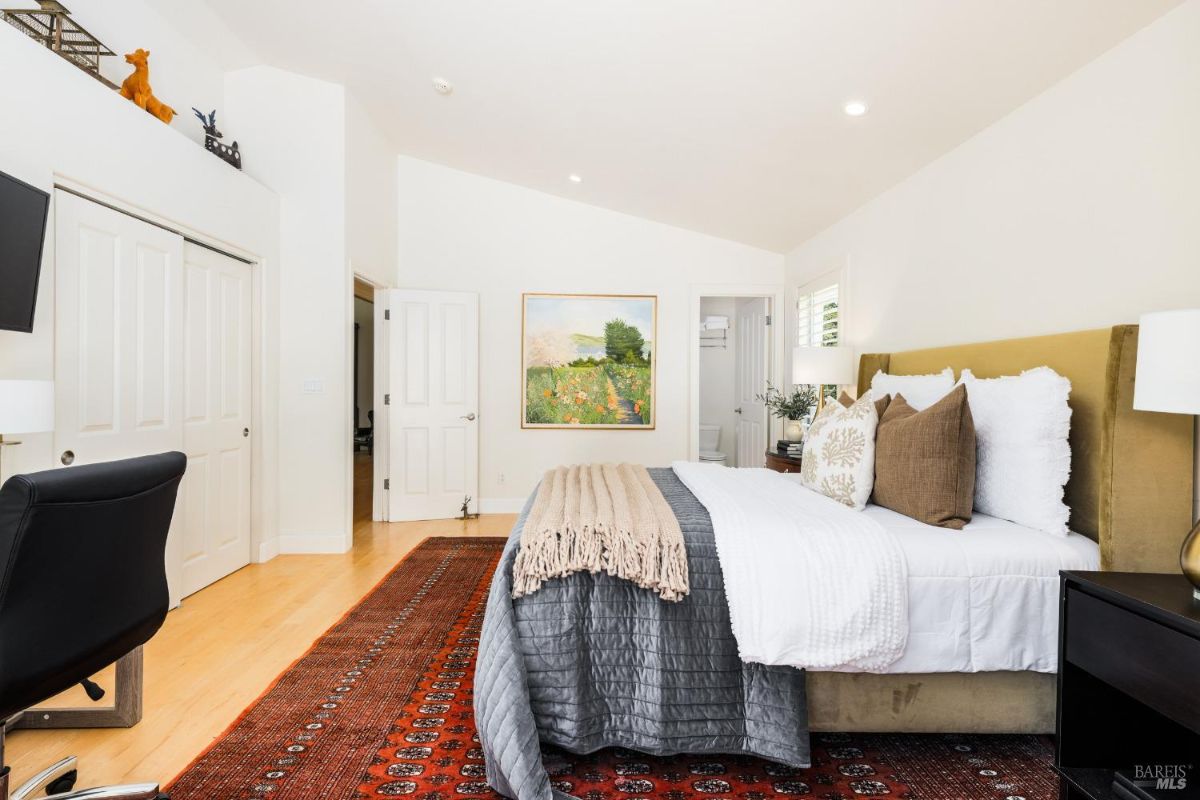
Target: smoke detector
(442,86)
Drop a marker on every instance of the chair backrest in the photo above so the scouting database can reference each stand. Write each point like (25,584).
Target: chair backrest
(82,572)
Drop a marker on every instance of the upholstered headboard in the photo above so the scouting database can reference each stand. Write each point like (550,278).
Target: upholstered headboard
(1131,471)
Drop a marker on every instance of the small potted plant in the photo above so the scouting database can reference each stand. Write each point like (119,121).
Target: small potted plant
(792,408)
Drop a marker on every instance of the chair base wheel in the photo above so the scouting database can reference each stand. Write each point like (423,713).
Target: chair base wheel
(63,784)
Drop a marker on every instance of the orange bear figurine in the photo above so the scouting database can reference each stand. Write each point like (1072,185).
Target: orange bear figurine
(137,87)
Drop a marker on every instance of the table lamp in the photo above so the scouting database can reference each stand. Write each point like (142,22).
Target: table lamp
(25,407)
(822,366)
(1168,379)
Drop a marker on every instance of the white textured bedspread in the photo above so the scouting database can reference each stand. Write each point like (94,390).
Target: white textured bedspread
(810,583)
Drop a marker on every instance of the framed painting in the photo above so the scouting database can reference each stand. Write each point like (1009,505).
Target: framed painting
(588,361)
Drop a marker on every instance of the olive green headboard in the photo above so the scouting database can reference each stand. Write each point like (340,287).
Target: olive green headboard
(1131,471)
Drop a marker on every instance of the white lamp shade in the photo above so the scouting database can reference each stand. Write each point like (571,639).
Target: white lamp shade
(26,407)
(1168,362)
(822,365)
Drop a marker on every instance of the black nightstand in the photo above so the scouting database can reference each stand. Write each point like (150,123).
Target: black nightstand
(1128,678)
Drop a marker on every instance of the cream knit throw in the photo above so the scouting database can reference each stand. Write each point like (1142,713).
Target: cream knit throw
(609,517)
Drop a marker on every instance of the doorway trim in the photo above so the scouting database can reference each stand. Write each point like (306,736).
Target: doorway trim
(264,438)
(773,292)
(379,458)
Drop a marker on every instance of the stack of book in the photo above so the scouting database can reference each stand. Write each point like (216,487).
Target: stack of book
(789,449)
(1155,783)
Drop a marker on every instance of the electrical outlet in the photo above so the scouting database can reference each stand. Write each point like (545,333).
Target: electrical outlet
(501,477)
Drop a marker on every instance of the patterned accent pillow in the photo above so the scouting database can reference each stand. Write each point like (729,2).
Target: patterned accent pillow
(839,452)
(880,405)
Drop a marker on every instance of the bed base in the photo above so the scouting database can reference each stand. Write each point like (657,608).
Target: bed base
(947,702)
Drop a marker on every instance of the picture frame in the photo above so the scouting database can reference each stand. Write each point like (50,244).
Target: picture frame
(589,361)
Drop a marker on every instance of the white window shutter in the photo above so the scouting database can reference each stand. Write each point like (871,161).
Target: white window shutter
(818,315)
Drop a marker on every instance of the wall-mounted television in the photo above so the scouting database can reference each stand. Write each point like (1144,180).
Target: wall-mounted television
(23,211)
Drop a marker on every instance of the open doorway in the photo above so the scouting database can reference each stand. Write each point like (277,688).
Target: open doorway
(364,399)
(735,359)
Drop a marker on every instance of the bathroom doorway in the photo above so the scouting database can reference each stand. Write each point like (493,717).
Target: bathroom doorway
(735,348)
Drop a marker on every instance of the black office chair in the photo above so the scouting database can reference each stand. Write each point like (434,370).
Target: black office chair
(82,584)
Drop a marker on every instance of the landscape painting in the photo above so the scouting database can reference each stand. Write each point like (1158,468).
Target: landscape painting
(588,361)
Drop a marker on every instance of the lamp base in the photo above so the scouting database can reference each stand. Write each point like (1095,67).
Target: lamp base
(1189,559)
(4,444)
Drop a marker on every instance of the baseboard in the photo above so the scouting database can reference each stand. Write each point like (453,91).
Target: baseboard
(313,543)
(501,505)
(268,550)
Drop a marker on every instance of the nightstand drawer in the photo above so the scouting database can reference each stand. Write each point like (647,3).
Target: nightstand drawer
(782,463)
(1146,660)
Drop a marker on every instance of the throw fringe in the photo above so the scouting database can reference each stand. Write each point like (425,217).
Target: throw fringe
(602,517)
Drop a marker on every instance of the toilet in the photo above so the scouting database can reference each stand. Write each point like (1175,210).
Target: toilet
(710,440)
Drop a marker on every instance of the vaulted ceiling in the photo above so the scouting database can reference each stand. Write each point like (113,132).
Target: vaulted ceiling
(721,116)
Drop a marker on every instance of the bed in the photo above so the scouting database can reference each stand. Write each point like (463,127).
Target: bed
(556,666)
(1130,492)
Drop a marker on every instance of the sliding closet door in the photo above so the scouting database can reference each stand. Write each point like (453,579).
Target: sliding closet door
(215,495)
(153,353)
(118,320)
(433,428)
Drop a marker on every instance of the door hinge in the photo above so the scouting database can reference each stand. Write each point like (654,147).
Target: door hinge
(768,320)
(387,484)
(387,399)
(387,313)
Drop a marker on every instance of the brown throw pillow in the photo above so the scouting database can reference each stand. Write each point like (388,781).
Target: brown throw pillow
(880,405)
(925,461)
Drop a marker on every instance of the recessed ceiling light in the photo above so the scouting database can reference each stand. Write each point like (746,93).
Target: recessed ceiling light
(855,108)
(442,86)
(573,178)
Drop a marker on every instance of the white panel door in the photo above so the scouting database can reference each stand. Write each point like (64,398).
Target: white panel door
(751,367)
(433,428)
(215,495)
(118,320)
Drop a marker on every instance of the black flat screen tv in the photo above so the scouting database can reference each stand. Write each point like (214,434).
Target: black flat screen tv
(23,210)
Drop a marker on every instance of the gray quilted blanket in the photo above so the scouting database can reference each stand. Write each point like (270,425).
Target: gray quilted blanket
(591,661)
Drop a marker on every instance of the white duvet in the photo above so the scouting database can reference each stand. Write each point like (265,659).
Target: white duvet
(810,583)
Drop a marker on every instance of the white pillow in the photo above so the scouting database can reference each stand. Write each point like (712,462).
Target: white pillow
(839,452)
(921,391)
(1023,458)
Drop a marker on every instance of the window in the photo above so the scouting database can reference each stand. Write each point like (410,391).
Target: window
(819,318)
(818,313)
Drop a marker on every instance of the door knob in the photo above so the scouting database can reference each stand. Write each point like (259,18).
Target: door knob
(67,458)
(737,411)
(245,433)
(468,417)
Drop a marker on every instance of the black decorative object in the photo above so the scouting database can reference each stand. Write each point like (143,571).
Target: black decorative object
(230,155)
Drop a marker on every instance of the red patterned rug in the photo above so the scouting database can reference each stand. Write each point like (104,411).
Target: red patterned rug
(381,707)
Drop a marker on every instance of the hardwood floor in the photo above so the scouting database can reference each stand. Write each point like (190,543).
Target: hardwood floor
(224,646)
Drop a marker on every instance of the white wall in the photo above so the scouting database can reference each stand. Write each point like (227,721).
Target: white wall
(460,231)
(1081,209)
(60,125)
(718,378)
(185,61)
(1078,210)
(294,136)
(371,215)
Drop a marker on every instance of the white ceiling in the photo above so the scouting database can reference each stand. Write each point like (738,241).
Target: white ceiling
(722,116)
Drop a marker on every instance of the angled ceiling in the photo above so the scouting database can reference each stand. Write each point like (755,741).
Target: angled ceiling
(721,116)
